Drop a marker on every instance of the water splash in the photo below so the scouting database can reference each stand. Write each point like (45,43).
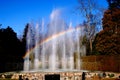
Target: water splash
(57,48)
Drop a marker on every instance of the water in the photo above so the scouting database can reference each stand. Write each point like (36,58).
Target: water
(55,47)
(28,46)
(36,51)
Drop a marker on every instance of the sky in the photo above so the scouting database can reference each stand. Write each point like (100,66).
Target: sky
(17,13)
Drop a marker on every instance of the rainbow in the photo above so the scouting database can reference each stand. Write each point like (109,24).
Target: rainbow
(50,38)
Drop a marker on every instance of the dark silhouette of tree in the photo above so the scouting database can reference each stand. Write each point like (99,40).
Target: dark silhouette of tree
(24,37)
(113,4)
(27,29)
(107,41)
(10,44)
(10,47)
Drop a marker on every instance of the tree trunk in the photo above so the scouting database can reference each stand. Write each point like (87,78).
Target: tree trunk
(90,45)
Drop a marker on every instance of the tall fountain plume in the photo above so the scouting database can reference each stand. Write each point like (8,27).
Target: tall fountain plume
(63,59)
(28,47)
(56,46)
(43,58)
(71,48)
(36,51)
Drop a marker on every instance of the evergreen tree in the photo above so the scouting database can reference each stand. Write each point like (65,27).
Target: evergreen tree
(24,37)
(113,4)
(107,41)
(10,50)
(10,46)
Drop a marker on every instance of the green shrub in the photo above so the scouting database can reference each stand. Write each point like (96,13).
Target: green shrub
(111,75)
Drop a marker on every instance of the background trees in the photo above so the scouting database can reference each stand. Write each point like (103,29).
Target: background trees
(10,45)
(92,14)
(11,49)
(113,4)
(107,41)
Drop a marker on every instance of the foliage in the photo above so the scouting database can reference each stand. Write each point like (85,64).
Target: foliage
(10,47)
(107,41)
(25,32)
(111,75)
(113,4)
(24,37)
(29,37)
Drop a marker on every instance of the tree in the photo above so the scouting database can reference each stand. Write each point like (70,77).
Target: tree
(10,49)
(91,12)
(10,45)
(113,4)
(107,41)
(28,35)
(25,37)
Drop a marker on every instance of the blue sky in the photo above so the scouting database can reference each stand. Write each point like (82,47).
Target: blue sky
(16,13)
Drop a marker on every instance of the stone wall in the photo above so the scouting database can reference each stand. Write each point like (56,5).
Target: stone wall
(101,63)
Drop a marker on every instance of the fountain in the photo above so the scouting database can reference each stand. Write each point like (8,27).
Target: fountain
(55,47)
